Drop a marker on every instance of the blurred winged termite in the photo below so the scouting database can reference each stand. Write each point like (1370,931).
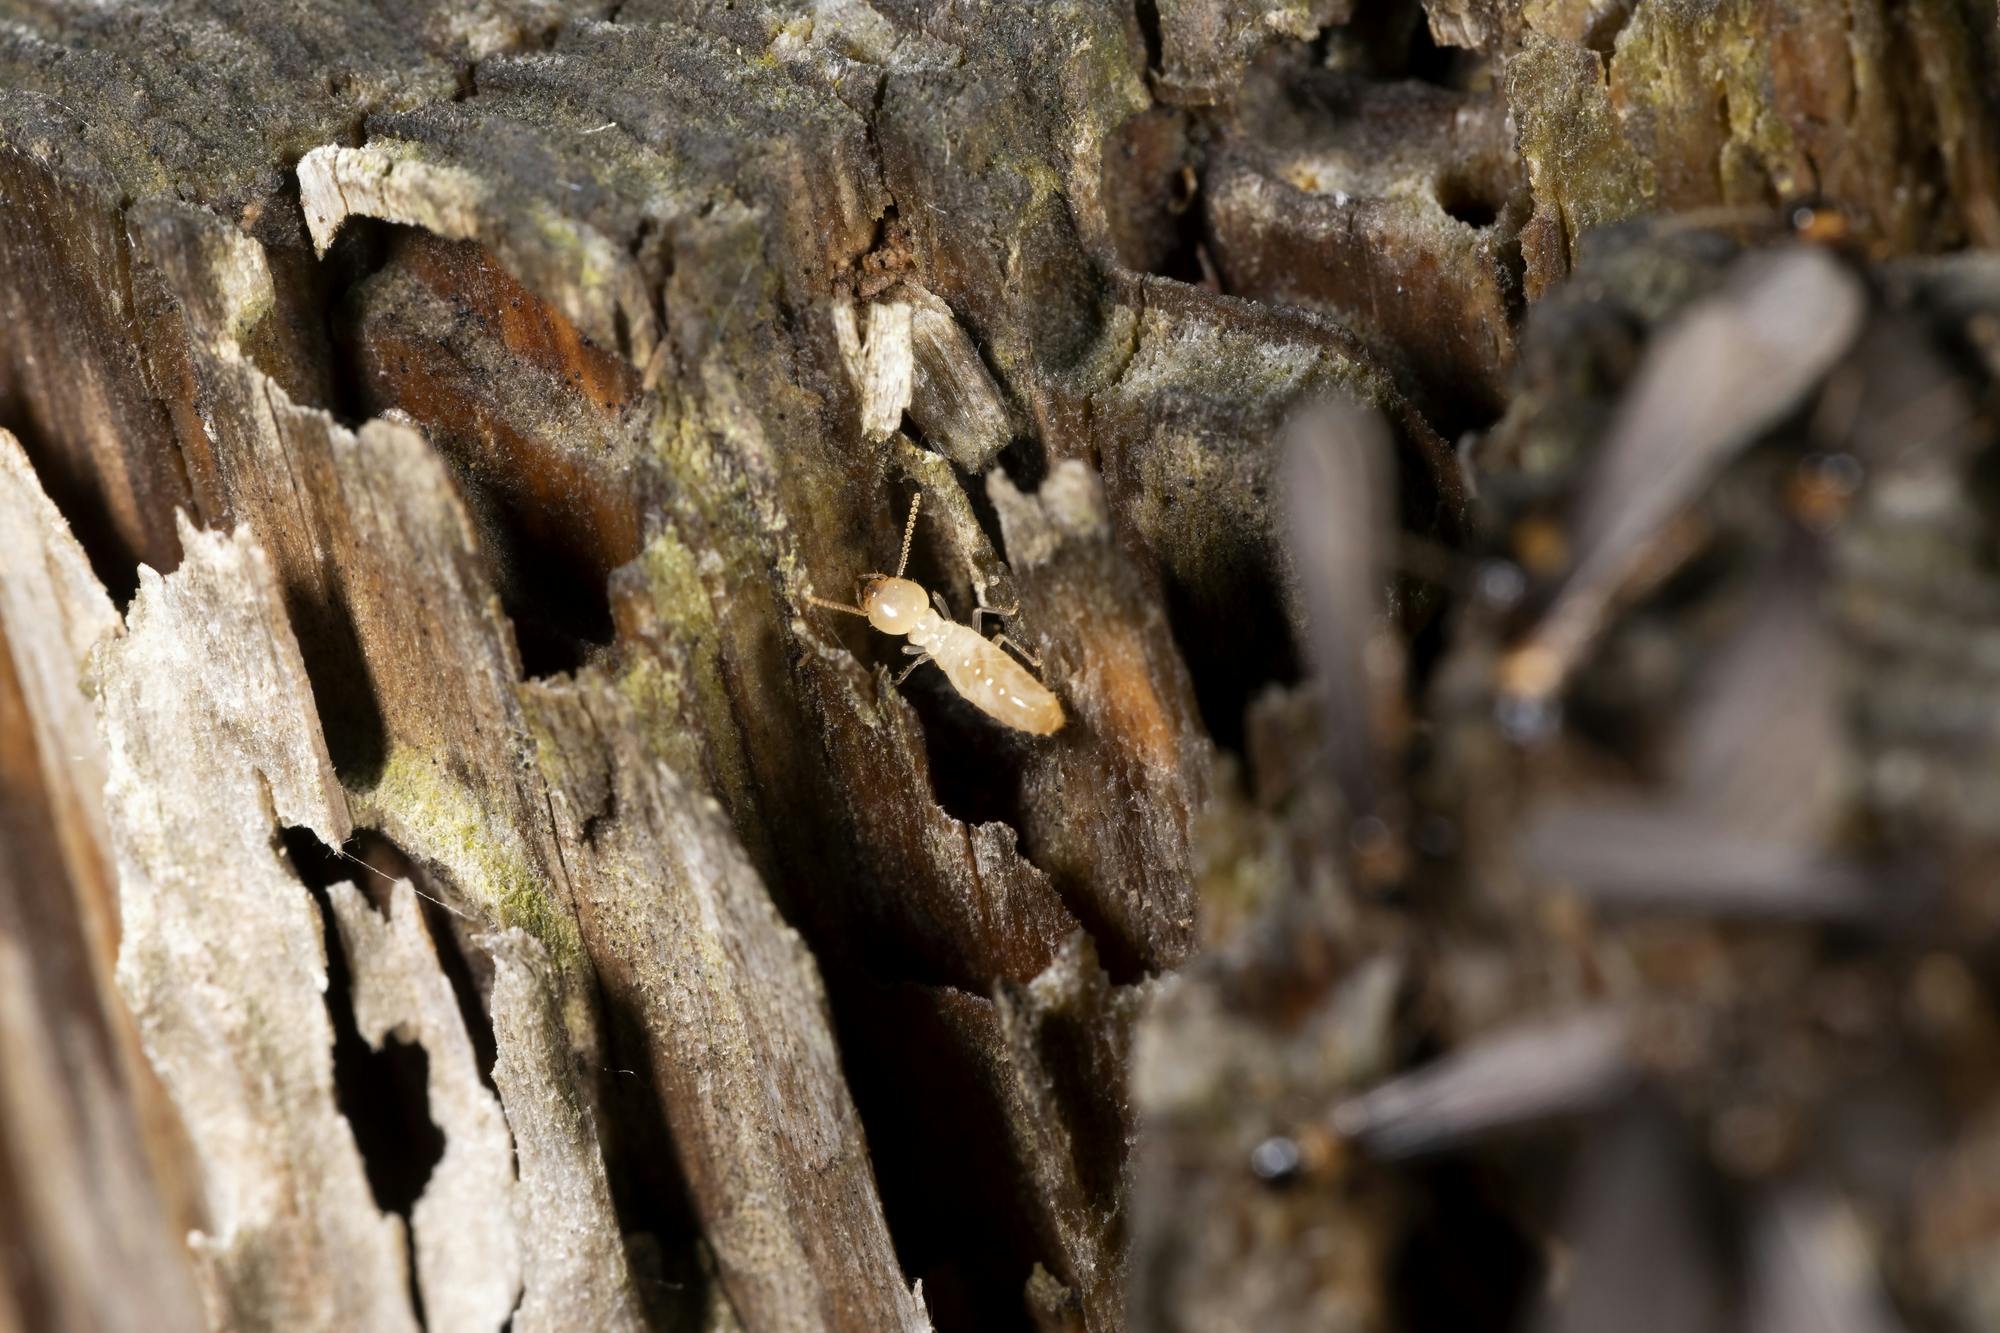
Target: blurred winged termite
(1728,368)
(1670,857)
(1641,1257)
(1339,503)
(1810,1266)
(1540,1069)
(1753,788)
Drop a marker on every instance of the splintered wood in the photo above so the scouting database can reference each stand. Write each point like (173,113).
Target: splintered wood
(468,1250)
(735,1026)
(212,742)
(78,1104)
(574,1271)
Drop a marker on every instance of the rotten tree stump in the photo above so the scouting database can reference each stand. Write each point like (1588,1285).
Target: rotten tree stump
(1502,489)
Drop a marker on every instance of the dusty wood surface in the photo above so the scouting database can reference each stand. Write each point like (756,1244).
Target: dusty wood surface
(82,1115)
(574,1270)
(212,741)
(1530,740)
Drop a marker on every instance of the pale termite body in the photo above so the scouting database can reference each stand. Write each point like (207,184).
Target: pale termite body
(977,667)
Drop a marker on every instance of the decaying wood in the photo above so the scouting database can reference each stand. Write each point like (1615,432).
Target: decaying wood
(211,742)
(1502,490)
(732,1024)
(574,1270)
(463,1229)
(90,1168)
(1143,749)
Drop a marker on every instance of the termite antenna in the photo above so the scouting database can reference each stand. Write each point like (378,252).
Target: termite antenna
(392,881)
(837,606)
(909,531)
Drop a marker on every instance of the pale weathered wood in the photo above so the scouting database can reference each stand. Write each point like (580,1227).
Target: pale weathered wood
(574,1272)
(212,742)
(463,1228)
(86,1143)
(733,1021)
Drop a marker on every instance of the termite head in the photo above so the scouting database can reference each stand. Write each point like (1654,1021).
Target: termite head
(893,605)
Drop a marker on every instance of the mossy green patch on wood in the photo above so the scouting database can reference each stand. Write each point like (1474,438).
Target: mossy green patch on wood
(438,818)
(680,696)
(1580,167)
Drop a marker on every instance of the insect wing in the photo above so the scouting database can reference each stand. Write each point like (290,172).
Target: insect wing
(1723,373)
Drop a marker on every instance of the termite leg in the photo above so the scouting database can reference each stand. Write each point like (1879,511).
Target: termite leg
(979,591)
(1002,641)
(912,667)
(937,600)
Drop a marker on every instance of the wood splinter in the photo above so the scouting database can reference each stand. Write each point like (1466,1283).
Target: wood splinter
(978,668)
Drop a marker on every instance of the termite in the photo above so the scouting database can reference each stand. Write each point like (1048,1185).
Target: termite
(978,668)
